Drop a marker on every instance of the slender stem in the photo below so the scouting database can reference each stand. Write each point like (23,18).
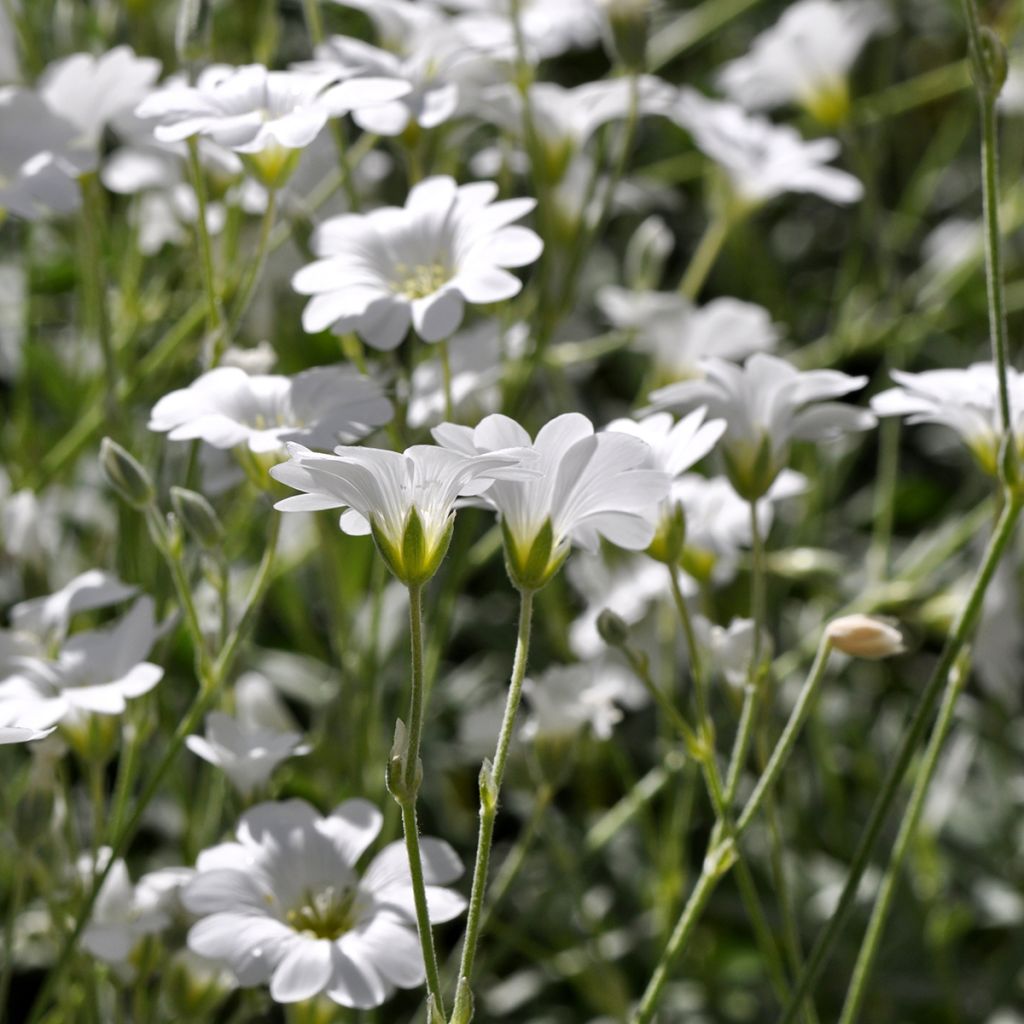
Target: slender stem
(407,792)
(208,692)
(96,284)
(704,256)
(254,272)
(700,683)
(958,637)
(19,878)
(214,313)
(491,776)
(883,898)
(446,376)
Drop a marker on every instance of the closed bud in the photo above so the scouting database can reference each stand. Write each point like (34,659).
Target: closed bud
(628,23)
(864,636)
(612,628)
(668,542)
(463,1011)
(198,517)
(646,252)
(192,32)
(126,475)
(989,64)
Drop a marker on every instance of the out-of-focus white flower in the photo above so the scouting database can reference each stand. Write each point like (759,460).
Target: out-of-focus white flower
(729,648)
(678,335)
(566,699)
(647,251)
(40,157)
(966,400)
(226,407)
(258,704)
(95,671)
(247,754)
(475,361)
(406,499)
(90,92)
(285,904)
(124,913)
(767,403)
(998,647)
(1011,96)
(587,486)
(548,29)
(382,271)
(565,118)
(400,23)
(805,57)
(440,70)
(14,733)
(762,160)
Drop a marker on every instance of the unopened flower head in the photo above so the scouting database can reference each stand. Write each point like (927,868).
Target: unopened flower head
(966,400)
(285,905)
(678,335)
(762,160)
(406,500)
(767,403)
(805,57)
(416,265)
(227,407)
(586,486)
(266,115)
(864,636)
(675,448)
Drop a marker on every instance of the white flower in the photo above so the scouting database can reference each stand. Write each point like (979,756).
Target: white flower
(226,407)
(475,360)
(94,671)
(14,733)
(965,400)
(40,157)
(265,114)
(566,699)
(805,57)
(407,499)
(90,92)
(678,335)
(285,905)
(247,754)
(1011,96)
(763,160)
(549,29)
(589,485)
(400,23)
(419,264)
(767,403)
(440,70)
(728,648)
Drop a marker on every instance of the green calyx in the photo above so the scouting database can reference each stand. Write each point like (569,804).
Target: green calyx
(531,566)
(415,560)
(752,471)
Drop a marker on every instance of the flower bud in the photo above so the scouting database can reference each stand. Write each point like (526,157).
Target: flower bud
(612,628)
(192,32)
(198,517)
(126,475)
(646,252)
(628,22)
(864,636)
(667,545)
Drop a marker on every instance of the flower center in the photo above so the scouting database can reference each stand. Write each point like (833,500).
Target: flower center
(419,281)
(327,914)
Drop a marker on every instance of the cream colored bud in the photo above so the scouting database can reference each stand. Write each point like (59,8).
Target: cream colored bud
(864,636)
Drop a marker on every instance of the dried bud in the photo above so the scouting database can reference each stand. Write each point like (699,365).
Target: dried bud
(126,475)
(198,517)
(864,636)
(612,628)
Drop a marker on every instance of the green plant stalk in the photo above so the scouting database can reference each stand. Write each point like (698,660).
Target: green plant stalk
(15,898)
(446,376)
(955,643)
(255,267)
(209,690)
(491,777)
(714,866)
(883,898)
(214,313)
(704,256)
(411,771)
(700,683)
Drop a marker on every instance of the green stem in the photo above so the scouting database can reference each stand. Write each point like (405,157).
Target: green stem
(209,691)
(491,776)
(214,313)
(446,376)
(883,899)
(911,738)
(96,284)
(704,256)
(255,271)
(408,789)
(19,878)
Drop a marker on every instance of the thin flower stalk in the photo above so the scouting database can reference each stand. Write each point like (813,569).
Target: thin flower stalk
(254,267)
(491,776)
(215,321)
(883,898)
(704,256)
(96,285)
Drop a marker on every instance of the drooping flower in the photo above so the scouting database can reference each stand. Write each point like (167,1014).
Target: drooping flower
(762,160)
(95,671)
(805,57)
(767,403)
(285,904)
(382,271)
(405,499)
(675,448)
(247,754)
(678,335)
(40,157)
(587,486)
(91,92)
(965,400)
(267,115)
(226,407)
